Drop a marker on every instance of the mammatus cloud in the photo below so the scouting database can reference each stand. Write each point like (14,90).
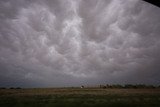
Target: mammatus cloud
(74,42)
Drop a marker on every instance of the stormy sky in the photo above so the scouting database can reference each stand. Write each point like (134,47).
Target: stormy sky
(52,43)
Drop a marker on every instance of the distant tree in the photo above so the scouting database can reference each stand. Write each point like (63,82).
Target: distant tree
(117,86)
(141,86)
(2,88)
(102,86)
(107,86)
(151,86)
(129,86)
(18,88)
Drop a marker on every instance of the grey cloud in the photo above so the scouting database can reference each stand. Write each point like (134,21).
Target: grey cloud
(74,42)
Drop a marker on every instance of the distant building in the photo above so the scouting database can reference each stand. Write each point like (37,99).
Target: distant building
(82,86)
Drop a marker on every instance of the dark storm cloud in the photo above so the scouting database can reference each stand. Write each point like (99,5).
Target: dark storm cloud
(73,42)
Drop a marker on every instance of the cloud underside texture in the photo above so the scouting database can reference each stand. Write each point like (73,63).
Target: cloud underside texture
(73,42)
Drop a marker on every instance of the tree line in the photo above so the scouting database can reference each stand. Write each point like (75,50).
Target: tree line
(134,86)
(108,86)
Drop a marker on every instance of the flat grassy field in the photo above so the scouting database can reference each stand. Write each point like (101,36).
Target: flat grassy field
(76,97)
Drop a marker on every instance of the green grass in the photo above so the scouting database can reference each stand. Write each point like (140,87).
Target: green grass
(79,97)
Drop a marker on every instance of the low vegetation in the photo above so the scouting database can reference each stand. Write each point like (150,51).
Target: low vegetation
(80,97)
